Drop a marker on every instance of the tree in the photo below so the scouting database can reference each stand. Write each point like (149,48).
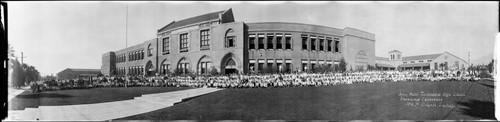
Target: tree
(177,72)
(17,78)
(214,71)
(285,69)
(30,73)
(11,52)
(491,66)
(343,65)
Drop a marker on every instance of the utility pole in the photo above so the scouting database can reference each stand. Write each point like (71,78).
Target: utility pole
(126,46)
(22,57)
(468,58)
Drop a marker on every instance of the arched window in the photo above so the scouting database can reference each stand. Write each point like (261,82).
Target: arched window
(230,38)
(165,67)
(183,65)
(150,50)
(204,65)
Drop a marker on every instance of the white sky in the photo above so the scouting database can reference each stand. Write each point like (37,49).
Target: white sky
(59,35)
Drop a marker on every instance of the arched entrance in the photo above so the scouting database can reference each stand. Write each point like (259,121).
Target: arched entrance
(150,69)
(230,64)
(230,67)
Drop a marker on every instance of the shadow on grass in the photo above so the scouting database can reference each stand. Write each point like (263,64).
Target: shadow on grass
(43,95)
(487,85)
(480,109)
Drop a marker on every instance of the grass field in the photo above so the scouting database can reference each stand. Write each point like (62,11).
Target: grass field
(81,96)
(373,101)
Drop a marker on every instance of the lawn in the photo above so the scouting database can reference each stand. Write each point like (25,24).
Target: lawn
(373,101)
(82,96)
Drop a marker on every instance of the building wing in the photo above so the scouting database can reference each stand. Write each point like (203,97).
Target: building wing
(421,57)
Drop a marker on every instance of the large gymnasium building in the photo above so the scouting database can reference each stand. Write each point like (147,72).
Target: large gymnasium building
(215,41)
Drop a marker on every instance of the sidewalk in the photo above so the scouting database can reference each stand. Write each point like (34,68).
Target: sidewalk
(14,92)
(107,110)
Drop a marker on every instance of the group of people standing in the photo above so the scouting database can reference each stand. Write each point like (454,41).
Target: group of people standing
(261,80)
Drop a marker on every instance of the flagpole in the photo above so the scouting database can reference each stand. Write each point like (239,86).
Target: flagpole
(126,46)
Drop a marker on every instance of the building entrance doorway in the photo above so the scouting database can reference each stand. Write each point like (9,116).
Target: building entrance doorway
(150,69)
(230,67)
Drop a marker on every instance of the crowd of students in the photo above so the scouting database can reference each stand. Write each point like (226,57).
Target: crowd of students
(317,79)
(259,81)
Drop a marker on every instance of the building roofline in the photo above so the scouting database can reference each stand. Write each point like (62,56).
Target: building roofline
(292,23)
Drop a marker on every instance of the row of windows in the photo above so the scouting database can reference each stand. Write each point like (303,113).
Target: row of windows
(121,58)
(394,57)
(203,67)
(317,43)
(133,70)
(136,70)
(266,66)
(271,41)
(136,55)
(230,41)
(120,71)
(420,61)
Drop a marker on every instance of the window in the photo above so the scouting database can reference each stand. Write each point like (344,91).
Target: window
(230,38)
(412,61)
(288,65)
(261,41)
(418,61)
(183,39)
(404,62)
(183,67)
(260,65)
(270,44)
(288,41)
(230,41)
(329,44)
(304,67)
(304,42)
(166,45)
(142,54)
(279,44)
(321,45)
(313,67)
(313,43)
(429,60)
(204,65)
(150,50)
(337,45)
(251,65)
(269,65)
(135,55)
(129,56)
(205,40)
(251,41)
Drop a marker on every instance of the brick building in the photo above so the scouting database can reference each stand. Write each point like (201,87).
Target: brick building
(214,40)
